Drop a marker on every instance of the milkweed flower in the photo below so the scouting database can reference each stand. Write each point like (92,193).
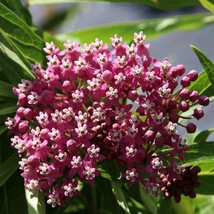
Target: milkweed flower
(96,104)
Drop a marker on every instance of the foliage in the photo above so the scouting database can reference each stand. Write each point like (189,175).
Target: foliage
(21,44)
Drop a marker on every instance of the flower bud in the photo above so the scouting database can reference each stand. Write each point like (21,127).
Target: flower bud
(107,76)
(28,113)
(23,126)
(203,100)
(20,111)
(194,96)
(22,99)
(184,106)
(185,81)
(198,113)
(193,75)
(184,94)
(191,128)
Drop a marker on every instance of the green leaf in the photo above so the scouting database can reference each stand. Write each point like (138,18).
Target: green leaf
(199,153)
(164,206)
(12,196)
(208,5)
(6,90)
(8,167)
(148,200)
(3,128)
(120,196)
(201,84)
(151,27)
(12,72)
(7,108)
(182,207)
(21,36)
(35,202)
(202,136)
(207,185)
(163,4)
(206,63)
(17,7)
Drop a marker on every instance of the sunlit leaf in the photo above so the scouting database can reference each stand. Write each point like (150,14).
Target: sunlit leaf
(17,7)
(35,202)
(12,72)
(206,63)
(163,4)
(120,196)
(148,200)
(151,27)
(199,153)
(20,36)
(208,5)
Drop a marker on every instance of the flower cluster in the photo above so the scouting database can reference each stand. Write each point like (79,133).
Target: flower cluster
(176,187)
(93,104)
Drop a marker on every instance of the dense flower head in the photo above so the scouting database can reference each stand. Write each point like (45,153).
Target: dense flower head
(94,104)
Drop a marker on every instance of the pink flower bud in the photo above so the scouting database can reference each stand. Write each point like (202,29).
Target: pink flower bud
(184,94)
(184,106)
(185,81)
(67,85)
(45,134)
(203,100)
(149,135)
(193,75)
(107,76)
(28,113)
(191,128)
(194,96)
(173,117)
(22,100)
(23,126)
(20,111)
(178,70)
(181,69)
(132,95)
(198,113)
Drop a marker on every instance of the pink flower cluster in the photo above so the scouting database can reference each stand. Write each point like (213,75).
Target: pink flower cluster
(94,104)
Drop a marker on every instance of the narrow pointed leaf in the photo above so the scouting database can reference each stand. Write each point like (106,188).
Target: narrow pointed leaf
(120,196)
(3,128)
(21,36)
(208,5)
(206,63)
(7,108)
(17,7)
(35,202)
(11,71)
(199,153)
(203,136)
(163,4)
(8,168)
(151,27)
(164,206)
(207,185)
(148,200)
(6,90)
